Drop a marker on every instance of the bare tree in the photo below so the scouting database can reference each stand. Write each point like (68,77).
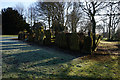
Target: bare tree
(32,15)
(20,8)
(51,12)
(104,24)
(44,11)
(75,16)
(67,7)
(91,9)
(58,16)
(115,19)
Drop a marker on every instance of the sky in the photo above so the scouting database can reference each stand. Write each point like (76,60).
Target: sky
(13,3)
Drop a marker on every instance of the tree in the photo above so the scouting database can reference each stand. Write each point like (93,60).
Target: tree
(74,17)
(44,11)
(12,22)
(114,19)
(58,17)
(117,35)
(67,10)
(91,8)
(85,26)
(51,12)
(20,8)
(32,15)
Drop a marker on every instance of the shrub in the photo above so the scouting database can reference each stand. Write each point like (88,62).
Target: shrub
(74,42)
(81,40)
(30,37)
(41,37)
(47,40)
(20,35)
(68,35)
(61,40)
(88,44)
(37,31)
(47,33)
(57,39)
(24,35)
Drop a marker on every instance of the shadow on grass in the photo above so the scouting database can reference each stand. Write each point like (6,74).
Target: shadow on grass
(118,45)
(61,76)
(34,56)
(8,48)
(108,49)
(24,75)
(39,56)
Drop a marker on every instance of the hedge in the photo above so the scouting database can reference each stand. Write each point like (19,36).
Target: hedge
(41,37)
(61,40)
(47,40)
(81,40)
(37,34)
(74,42)
(88,44)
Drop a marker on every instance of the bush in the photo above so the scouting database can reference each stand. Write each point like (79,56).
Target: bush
(47,40)
(74,42)
(41,37)
(68,35)
(37,32)
(57,39)
(61,40)
(25,35)
(20,35)
(47,33)
(88,44)
(81,40)
(30,36)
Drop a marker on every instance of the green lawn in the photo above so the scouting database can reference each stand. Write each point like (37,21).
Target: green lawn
(9,35)
(21,60)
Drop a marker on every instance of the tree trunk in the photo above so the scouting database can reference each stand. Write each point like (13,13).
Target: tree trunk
(52,24)
(94,33)
(104,32)
(31,16)
(75,30)
(49,21)
(72,27)
(109,37)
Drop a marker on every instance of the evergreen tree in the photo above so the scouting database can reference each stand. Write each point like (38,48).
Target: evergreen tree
(12,22)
